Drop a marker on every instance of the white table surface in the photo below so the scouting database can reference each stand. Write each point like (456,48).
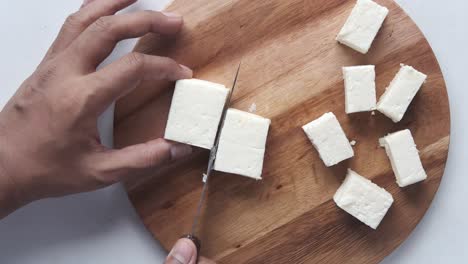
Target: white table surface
(102,227)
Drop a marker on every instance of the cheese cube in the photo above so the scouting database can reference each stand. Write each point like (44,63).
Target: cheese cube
(362,25)
(400,92)
(363,199)
(329,139)
(242,144)
(195,112)
(359,83)
(404,157)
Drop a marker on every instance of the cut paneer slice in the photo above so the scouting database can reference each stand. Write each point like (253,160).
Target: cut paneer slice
(195,112)
(400,92)
(404,157)
(329,139)
(359,83)
(362,25)
(242,144)
(363,199)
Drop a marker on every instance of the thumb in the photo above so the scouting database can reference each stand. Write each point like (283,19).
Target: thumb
(183,252)
(118,164)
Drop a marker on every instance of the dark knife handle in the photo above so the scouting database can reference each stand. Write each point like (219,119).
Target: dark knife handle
(195,241)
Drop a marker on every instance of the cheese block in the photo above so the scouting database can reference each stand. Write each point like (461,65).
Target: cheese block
(329,139)
(363,199)
(242,144)
(404,157)
(195,112)
(359,83)
(401,91)
(362,25)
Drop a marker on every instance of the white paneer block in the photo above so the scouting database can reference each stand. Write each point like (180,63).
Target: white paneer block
(362,25)
(242,144)
(400,92)
(363,199)
(329,139)
(404,157)
(359,83)
(195,112)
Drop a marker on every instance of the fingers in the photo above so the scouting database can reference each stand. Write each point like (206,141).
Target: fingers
(116,165)
(99,39)
(122,76)
(183,252)
(79,21)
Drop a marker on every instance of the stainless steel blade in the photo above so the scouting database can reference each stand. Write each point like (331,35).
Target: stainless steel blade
(212,157)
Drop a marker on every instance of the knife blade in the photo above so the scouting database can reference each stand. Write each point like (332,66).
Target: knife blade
(212,158)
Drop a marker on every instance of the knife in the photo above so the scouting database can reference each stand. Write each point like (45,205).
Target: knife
(210,168)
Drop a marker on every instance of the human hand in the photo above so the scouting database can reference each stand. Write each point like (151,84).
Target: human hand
(49,142)
(185,252)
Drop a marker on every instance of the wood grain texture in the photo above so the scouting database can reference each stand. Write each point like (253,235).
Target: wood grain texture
(292,71)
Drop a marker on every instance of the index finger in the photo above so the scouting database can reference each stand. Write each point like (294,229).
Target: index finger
(99,39)
(77,22)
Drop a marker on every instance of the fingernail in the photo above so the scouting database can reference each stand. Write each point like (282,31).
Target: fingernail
(172,15)
(180,150)
(188,71)
(182,252)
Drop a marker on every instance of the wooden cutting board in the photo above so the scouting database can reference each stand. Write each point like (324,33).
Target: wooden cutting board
(292,71)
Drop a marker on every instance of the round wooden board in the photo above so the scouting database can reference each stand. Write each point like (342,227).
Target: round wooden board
(291,70)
